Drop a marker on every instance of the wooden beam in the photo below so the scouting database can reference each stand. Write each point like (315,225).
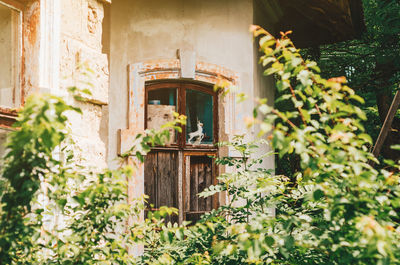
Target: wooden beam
(271,9)
(330,16)
(316,22)
(387,125)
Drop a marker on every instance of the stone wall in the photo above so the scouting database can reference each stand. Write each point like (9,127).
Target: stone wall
(62,47)
(84,65)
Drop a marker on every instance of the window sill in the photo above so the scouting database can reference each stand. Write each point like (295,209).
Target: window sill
(7,117)
(208,148)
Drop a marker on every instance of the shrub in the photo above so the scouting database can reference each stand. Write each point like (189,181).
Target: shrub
(336,209)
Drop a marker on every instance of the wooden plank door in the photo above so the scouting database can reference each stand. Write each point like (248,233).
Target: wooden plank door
(161,180)
(199,175)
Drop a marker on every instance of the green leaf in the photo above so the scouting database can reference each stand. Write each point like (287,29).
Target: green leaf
(318,194)
(395,147)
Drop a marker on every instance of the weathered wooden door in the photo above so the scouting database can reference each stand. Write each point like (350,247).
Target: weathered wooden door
(161,180)
(199,175)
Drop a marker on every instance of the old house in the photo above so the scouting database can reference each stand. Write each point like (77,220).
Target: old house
(150,58)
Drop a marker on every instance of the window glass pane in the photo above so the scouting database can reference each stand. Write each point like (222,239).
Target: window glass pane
(9,51)
(199,112)
(160,105)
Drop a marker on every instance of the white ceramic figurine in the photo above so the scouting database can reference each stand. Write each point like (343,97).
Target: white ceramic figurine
(199,134)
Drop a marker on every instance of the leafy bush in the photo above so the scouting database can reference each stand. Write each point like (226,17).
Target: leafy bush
(348,210)
(55,211)
(337,209)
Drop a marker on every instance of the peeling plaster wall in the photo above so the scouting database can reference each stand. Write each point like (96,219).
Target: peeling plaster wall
(82,61)
(218,31)
(31,46)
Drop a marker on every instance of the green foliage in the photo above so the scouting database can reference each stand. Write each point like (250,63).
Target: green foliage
(370,63)
(54,211)
(348,209)
(210,240)
(92,230)
(360,59)
(41,127)
(337,210)
(245,184)
(143,142)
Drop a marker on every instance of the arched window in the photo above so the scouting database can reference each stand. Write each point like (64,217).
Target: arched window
(173,175)
(197,102)
(188,154)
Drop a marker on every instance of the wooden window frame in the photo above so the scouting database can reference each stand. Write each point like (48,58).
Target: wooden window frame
(170,70)
(8,115)
(7,118)
(181,87)
(181,146)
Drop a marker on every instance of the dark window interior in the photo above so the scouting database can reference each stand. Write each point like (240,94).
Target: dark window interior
(162,96)
(199,112)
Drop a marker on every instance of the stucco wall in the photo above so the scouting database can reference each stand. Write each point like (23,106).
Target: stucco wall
(263,85)
(150,30)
